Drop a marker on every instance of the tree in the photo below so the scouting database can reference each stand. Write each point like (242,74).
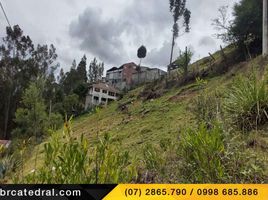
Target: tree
(223,25)
(45,58)
(184,60)
(16,70)
(178,9)
(81,70)
(71,105)
(141,53)
(95,70)
(73,64)
(246,28)
(31,118)
(20,63)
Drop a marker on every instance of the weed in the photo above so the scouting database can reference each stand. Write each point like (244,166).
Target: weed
(247,102)
(69,160)
(201,151)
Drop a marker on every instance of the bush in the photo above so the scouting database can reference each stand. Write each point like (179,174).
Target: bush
(213,156)
(55,121)
(207,108)
(201,151)
(241,165)
(246,102)
(71,161)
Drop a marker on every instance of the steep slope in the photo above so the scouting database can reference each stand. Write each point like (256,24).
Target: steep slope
(135,121)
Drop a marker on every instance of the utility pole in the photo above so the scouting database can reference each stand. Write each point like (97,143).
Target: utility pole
(265,29)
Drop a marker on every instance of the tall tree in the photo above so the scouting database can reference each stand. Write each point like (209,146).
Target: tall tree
(245,30)
(31,118)
(95,70)
(184,60)
(178,10)
(20,63)
(73,64)
(82,70)
(16,69)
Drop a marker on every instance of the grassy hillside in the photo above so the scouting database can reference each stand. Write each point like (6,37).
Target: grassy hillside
(158,114)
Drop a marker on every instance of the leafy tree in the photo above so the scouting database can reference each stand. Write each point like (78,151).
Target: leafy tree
(16,70)
(81,70)
(45,58)
(68,83)
(141,53)
(71,104)
(184,60)
(95,70)
(178,9)
(246,28)
(73,64)
(20,63)
(31,118)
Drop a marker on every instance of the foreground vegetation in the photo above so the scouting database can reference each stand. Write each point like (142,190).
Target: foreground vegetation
(186,133)
(202,123)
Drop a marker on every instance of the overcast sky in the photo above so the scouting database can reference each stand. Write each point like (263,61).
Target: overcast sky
(112,30)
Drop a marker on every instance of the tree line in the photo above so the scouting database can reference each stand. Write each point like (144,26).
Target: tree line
(33,98)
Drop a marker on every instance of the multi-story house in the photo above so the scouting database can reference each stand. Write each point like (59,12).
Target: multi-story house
(100,94)
(130,75)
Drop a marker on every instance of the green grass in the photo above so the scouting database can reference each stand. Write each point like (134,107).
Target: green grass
(148,122)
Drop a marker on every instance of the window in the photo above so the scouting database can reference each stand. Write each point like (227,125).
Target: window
(111,93)
(103,100)
(104,91)
(96,98)
(97,90)
(110,100)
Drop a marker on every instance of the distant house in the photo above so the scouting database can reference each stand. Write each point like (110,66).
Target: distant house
(130,75)
(100,94)
(121,77)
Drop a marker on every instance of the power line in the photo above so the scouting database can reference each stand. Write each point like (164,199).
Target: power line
(5,14)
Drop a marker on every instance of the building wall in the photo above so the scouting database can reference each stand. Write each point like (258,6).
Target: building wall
(128,72)
(129,77)
(95,98)
(148,75)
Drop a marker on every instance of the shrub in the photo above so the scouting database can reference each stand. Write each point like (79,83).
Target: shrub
(207,108)
(154,165)
(69,160)
(241,165)
(246,102)
(152,159)
(201,151)
(213,156)
(55,121)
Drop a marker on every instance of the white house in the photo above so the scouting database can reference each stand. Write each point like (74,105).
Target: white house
(100,94)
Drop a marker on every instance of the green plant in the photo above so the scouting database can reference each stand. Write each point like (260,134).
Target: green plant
(246,102)
(207,108)
(201,151)
(55,121)
(241,164)
(165,143)
(151,158)
(69,160)
(7,164)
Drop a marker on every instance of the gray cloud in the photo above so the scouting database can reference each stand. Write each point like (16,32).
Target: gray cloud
(106,38)
(99,36)
(161,56)
(207,41)
(115,33)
